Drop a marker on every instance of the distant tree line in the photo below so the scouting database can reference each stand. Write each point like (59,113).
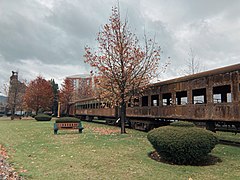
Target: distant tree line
(38,96)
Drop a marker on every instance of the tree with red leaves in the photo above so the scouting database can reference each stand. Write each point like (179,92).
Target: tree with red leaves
(122,64)
(39,94)
(66,94)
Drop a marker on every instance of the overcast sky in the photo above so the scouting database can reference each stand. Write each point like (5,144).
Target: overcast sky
(47,37)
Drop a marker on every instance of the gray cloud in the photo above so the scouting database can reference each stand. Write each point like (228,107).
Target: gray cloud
(48,36)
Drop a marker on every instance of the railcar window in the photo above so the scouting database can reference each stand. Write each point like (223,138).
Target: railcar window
(155,100)
(199,96)
(108,105)
(167,99)
(222,94)
(77,106)
(181,98)
(136,102)
(102,105)
(129,104)
(145,101)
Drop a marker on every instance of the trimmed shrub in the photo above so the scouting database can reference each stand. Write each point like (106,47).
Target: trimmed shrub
(182,145)
(182,124)
(43,117)
(68,120)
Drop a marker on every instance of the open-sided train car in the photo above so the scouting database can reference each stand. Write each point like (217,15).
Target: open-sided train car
(90,108)
(211,97)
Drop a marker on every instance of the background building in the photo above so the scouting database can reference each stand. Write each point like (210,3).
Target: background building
(83,86)
(15,95)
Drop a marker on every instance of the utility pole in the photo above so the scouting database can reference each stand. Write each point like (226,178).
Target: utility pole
(59,109)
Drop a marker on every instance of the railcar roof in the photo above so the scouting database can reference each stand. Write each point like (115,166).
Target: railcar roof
(226,69)
(85,99)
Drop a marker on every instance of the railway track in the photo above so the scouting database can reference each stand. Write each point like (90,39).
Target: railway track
(230,143)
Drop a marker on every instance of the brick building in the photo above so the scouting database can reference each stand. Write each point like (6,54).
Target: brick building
(15,94)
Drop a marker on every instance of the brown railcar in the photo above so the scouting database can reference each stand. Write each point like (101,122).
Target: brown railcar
(89,108)
(211,97)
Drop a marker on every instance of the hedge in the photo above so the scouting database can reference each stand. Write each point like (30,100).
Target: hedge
(68,120)
(182,124)
(43,117)
(182,145)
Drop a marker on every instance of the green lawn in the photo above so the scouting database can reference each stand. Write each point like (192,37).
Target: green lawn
(100,152)
(229,136)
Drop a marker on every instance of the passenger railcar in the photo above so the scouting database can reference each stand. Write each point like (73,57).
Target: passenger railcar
(211,97)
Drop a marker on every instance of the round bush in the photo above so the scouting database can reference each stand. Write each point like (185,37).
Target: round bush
(182,145)
(43,117)
(182,124)
(67,120)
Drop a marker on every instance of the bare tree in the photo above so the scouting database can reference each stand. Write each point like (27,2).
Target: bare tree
(122,65)
(192,64)
(5,89)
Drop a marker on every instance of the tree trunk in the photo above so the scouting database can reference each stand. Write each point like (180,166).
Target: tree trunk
(68,108)
(13,112)
(37,111)
(123,117)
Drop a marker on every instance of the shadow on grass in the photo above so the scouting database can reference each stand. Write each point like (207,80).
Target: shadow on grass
(207,161)
(66,133)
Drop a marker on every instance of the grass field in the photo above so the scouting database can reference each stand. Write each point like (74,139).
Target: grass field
(229,136)
(100,152)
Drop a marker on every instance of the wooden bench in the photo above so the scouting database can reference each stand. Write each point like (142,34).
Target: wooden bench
(68,125)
